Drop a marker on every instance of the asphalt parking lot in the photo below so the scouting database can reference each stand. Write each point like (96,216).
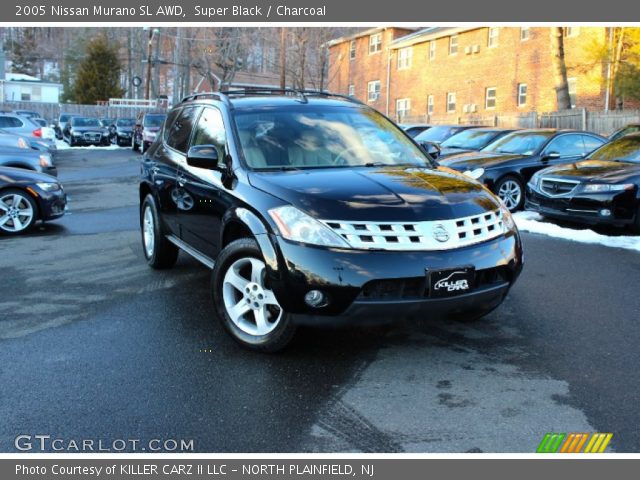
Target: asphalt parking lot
(94,344)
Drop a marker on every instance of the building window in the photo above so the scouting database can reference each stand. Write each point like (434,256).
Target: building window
(404,58)
(373,90)
(352,50)
(522,94)
(571,31)
(432,50)
(352,90)
(493,37)
(403,108)
(525,33)
(571,82)
(430,105)
(375,43)
(25,94)
(453,45)
(451,102)
(490,98)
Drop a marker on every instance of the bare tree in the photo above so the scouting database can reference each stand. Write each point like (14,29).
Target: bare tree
(559,68)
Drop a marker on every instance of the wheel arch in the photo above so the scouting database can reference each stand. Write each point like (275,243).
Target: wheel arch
(242,223)
(35,197)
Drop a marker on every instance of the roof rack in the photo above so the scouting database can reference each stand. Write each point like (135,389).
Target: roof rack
(302,94)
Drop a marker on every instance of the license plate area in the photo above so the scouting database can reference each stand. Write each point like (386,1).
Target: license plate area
(451,282)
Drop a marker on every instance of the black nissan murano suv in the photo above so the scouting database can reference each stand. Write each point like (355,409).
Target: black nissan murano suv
(312,208)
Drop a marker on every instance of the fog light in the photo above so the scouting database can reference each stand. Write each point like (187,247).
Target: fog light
(315,298)
(605,212)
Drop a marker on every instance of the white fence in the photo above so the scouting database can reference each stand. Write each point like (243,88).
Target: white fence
(579,119)
(51,111)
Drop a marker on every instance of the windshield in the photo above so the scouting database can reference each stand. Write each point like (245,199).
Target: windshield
(85,122)
(153,120)
(521,143)
(65,118)
(437,134)
(125,122)
(471,139)
(626,149)
(308,137)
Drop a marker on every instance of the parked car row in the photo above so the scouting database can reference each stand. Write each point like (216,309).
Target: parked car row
(564,174)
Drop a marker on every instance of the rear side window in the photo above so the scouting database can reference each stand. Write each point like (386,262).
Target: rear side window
(180,130)
(210,131)
(169,123)
(10,122)
(591,143)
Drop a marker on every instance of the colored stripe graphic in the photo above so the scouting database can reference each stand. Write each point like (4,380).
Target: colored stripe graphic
(573,443)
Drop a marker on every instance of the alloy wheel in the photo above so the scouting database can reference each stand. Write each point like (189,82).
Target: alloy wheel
(251,306)
(16,213)
(510,193)
(148,231)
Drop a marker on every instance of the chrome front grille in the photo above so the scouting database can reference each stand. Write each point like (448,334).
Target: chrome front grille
(428,235)
(555,187)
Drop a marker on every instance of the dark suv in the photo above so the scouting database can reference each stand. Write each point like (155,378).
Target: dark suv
(311,207)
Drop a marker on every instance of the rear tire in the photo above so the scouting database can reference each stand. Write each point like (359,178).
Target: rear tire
(246,306)
(159,252)
(635,227)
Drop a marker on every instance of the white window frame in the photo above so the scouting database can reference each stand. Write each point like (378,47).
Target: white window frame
(430,105)
(520,94)
(375,43)
(432,50)
(525,34)
(404,58)
(352,90)
(452,46)
(451,95)
(376,91)
(406,111)
(572,84)
(494,97)
(352,50)
(492,37)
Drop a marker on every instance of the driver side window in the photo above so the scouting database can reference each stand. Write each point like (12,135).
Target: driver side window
(567,145)
(210,131)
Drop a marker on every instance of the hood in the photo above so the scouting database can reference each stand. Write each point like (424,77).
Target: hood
(378,194)
(87,129)
(21,175)
(472,160)
(595,170)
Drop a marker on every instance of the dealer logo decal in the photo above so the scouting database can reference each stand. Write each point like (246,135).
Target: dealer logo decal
(450,284)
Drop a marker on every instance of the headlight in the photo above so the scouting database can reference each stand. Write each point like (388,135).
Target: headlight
(535,180)
(475,174)
(300,227)
(606,187)
(45,161)
(508,223)
(48,187)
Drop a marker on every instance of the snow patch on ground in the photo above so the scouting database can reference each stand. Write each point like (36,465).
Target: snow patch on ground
(533,222)
(60,145)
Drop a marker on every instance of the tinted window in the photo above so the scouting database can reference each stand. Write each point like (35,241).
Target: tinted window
(471,139)
(125,122)
(153,120)
(437,134)
(591,143)
(567,145)
(173,114)
(180,131)
(10,122)
(85,122)
(210,131)
(625,148)
(521,143)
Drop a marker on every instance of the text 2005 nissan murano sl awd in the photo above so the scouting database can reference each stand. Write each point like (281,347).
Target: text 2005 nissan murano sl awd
(312,207)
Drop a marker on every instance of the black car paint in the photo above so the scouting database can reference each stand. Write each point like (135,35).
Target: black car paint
(208,208)
(89,135)
(51,205)
(500,165)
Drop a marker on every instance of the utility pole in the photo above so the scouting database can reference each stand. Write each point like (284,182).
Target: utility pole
(283,57)
(147,87)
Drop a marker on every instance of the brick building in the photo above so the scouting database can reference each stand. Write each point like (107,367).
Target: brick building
(451,73)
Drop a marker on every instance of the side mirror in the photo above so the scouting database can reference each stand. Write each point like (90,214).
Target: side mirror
(203,156)
(433,149)
(551,156)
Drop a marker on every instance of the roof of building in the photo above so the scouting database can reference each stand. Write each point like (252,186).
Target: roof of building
(363,33)
(427,34)
(23,78)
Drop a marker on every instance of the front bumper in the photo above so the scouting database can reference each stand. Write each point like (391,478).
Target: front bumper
(363,284)
(52,204)
(585,208)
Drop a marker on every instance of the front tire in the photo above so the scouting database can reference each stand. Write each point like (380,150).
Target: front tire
(246,306)
(511,191)
(18,211)
(159,252)
(635,227)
